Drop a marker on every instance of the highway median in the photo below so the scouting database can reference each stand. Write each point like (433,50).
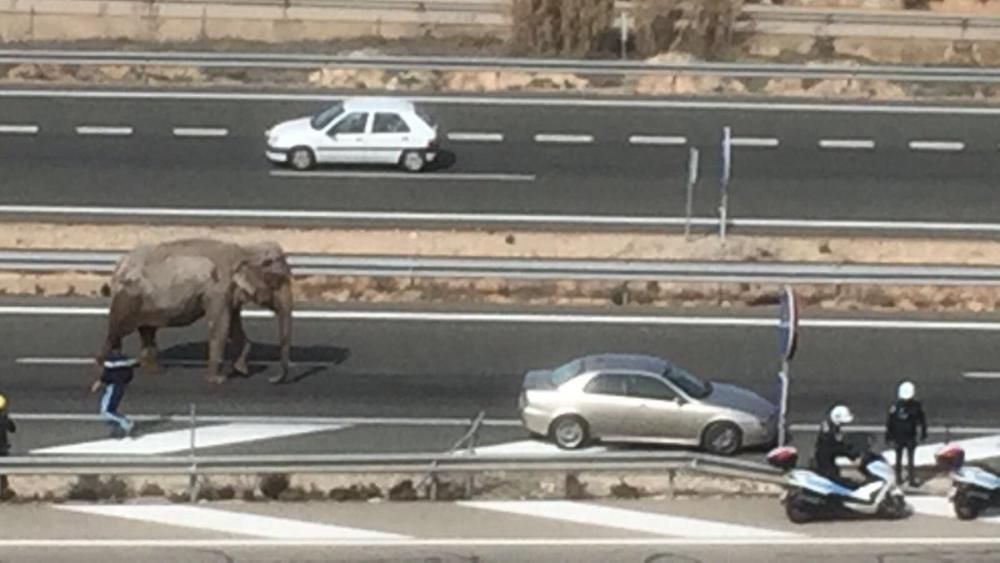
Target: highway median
(633,270)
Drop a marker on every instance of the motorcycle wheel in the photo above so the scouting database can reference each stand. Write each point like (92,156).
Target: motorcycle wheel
(893,508)
(797,513)
(966,508)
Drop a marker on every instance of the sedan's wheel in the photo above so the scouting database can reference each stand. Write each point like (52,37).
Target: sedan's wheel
(301,158)
(722,438)
(569,432)
(413,161)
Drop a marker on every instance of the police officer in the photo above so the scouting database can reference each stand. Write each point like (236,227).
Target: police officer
(7,426)
(830,445)
(118,372)
(905,415)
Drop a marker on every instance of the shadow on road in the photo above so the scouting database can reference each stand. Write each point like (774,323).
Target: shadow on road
(308,360)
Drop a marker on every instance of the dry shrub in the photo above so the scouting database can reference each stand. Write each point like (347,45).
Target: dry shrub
(701,27)
(561,27)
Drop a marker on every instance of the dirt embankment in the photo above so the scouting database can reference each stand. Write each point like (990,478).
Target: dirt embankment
(517,244)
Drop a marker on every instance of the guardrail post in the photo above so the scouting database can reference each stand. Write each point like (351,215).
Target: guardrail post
(623,19)
(193,477)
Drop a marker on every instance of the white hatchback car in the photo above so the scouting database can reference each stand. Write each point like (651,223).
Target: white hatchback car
(364,130)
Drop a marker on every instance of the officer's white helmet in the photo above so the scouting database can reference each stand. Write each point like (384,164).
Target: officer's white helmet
(906,391)
(840,414)
(3,402)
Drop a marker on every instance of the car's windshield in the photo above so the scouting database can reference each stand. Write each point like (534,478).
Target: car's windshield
(323,118)
(426,117)
(692,385)
(565,372)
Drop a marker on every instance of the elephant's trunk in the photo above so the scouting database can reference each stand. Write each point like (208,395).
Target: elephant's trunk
(283,310)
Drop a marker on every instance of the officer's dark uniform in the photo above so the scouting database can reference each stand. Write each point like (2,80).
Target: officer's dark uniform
(905,416)
(830,445)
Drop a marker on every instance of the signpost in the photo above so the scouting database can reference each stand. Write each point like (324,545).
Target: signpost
(788,325)
(727,163)
(692,180)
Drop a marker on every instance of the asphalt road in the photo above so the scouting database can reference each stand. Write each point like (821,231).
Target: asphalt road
(797,179)
(412,368)
(648,531)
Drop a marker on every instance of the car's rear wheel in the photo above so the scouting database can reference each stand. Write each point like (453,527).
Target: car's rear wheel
(301,158)
(569,432)
(412,161)
(722,438)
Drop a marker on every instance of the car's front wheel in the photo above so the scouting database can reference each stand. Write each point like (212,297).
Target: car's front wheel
(412,161)
(569,432)
(722,438)
(301,158)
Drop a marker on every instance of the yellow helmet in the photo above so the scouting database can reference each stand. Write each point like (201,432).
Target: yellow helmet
(3,402)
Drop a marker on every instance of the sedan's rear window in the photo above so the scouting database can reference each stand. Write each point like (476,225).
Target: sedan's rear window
(426,117)
(325,117)
(567,371)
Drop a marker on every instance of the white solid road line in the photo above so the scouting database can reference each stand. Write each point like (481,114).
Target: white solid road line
(941,506)
(495,218)
(229,522)
(563,138)
(19,129)
(632,520)
(846,144)
(511,101)
(476,137)
(531,447)
(200,131)
(553,318)
(655,140)
(103,130)
(763,142)
(457,176)
(976,449)
(180,440)
(937,145)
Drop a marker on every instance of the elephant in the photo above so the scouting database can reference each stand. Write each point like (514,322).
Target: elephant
(176,283)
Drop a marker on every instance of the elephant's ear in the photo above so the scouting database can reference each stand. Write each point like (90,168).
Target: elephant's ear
(241,280)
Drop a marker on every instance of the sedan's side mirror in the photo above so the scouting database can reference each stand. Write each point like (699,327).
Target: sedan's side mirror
(681,401)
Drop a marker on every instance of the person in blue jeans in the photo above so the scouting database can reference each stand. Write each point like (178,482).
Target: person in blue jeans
(115,377)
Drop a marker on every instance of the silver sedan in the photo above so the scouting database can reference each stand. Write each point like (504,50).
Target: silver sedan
(642,399)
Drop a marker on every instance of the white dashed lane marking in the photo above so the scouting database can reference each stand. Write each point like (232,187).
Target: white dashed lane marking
(200,131)
(103,130)
(846,144)
(18,129)
(476,137)
(937,145)
(656,140)
(561,138)
(764,142)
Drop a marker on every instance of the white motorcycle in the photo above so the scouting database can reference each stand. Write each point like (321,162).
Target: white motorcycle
(811,496)
(973,489)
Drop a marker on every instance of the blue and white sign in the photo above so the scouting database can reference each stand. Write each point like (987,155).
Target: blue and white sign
(788,325)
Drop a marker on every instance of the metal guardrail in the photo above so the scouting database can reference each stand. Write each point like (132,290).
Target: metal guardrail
(829,16)
(543,269)
(588,67)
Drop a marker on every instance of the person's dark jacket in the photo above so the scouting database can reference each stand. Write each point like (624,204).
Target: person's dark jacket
(830,445)
(903,421)
(6,426)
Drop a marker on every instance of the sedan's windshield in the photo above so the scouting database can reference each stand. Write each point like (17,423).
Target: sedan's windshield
(323,118)
(690,384)
(565,372)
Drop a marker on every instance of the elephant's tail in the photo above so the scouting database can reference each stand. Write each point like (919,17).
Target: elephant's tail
(106,290)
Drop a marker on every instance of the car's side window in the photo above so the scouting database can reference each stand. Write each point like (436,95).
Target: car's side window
(353,123)
(644,387)
(389,123)
(607,384)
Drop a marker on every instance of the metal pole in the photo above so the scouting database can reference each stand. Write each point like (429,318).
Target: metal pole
(624,34)
(727,149)
(193,478)
(783,406)
(692,180)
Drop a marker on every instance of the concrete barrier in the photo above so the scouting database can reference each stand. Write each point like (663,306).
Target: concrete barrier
(68,20)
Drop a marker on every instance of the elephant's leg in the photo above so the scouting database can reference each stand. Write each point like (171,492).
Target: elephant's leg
(218,331)
(240,340)
(149,353)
